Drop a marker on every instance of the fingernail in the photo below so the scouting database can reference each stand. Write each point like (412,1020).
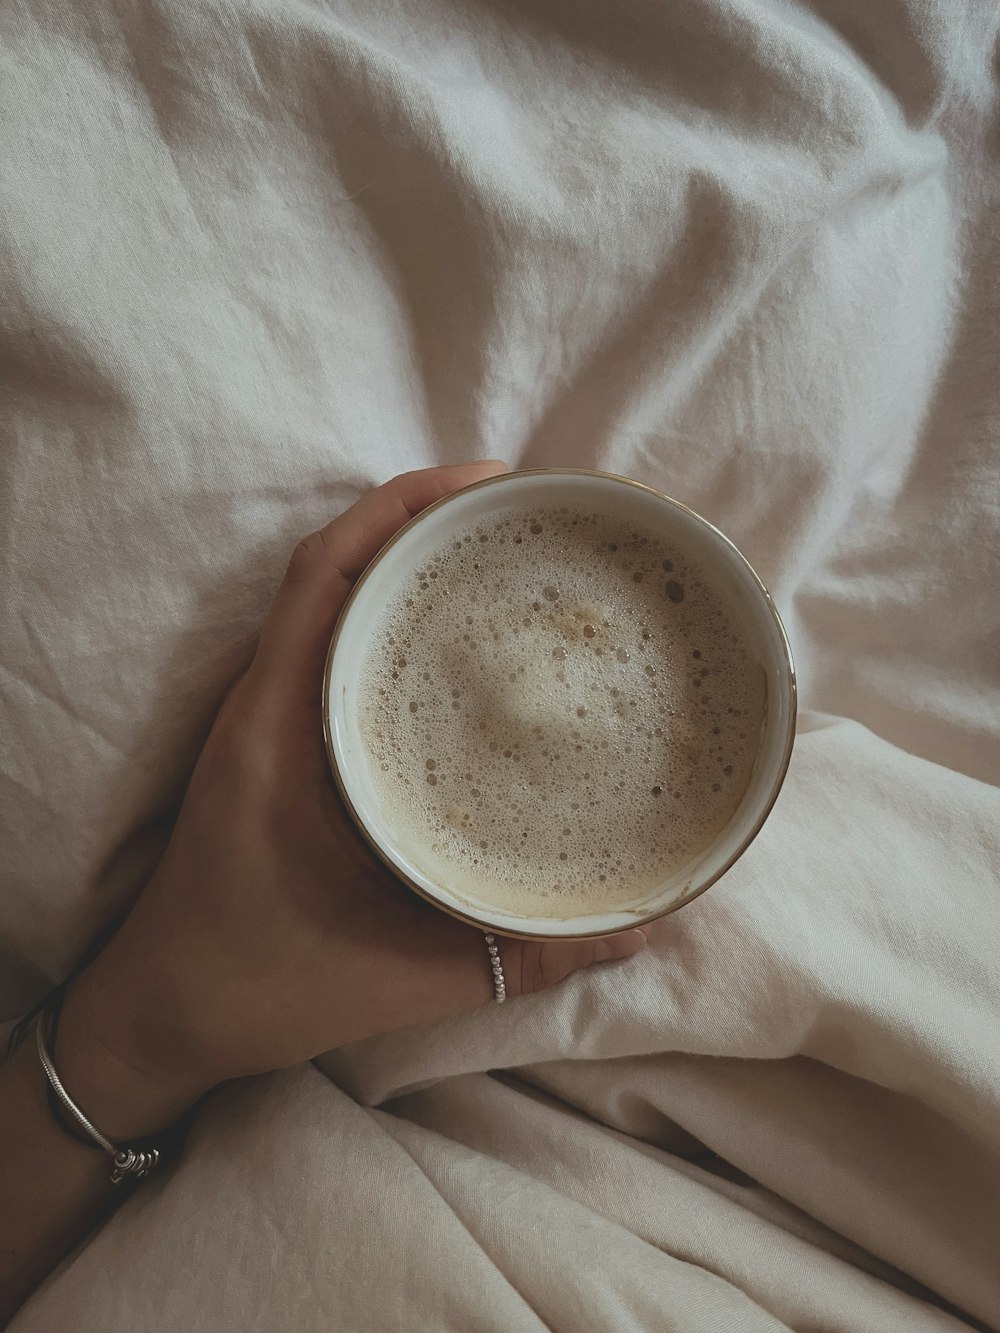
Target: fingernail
(626,944)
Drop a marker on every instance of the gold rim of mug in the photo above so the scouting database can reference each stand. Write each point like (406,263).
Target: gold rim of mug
(642,920)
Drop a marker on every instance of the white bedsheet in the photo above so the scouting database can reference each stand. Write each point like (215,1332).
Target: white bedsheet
(254,257)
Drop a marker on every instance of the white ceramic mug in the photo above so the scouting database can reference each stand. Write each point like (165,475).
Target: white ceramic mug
(761,628)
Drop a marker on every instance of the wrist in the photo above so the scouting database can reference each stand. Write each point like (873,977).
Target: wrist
(122,1098)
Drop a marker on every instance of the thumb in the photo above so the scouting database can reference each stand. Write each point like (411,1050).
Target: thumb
(325,565)
(535,965)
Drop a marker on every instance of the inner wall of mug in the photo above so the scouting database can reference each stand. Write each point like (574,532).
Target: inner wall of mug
(721,562)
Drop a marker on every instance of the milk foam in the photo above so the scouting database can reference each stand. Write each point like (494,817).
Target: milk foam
(560,713)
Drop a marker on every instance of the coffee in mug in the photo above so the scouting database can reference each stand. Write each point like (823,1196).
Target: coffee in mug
(560,711)
(560,704)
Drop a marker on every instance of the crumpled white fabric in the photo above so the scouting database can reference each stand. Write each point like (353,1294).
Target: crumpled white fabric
(259,255)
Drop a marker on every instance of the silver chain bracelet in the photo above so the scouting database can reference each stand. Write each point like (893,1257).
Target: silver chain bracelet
(129,1163)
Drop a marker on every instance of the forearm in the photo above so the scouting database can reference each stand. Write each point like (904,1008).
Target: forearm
(55,1189)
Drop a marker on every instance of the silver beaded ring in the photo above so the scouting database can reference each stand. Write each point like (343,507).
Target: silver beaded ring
(499,984)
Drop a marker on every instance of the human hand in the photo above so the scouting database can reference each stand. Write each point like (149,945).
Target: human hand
(269,933)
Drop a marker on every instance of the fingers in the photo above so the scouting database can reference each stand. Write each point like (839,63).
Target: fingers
(535,965)
(325,565)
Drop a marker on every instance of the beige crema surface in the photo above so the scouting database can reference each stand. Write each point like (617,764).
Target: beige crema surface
(560,713)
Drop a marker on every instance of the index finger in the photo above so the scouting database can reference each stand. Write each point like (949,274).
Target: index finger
(326,564)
